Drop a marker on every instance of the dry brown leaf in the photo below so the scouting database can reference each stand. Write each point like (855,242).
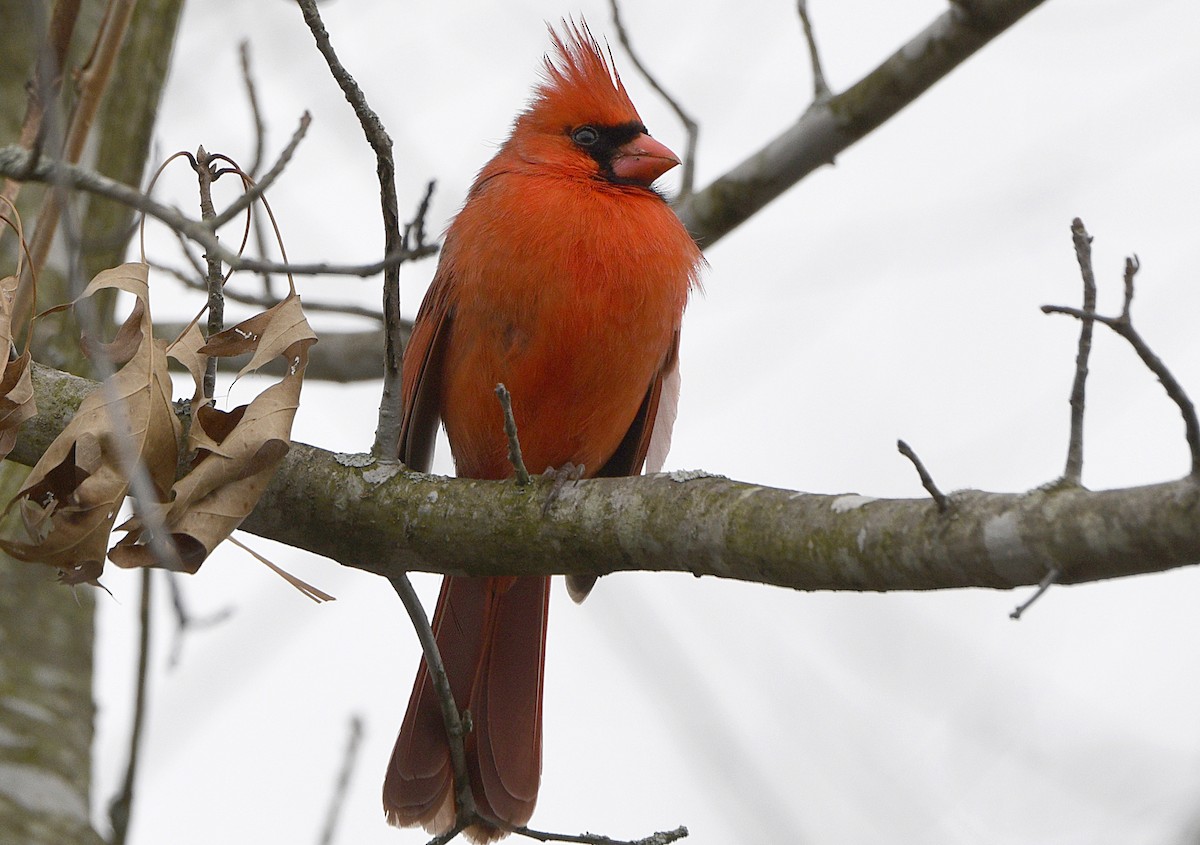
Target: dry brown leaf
(16,387)
(237,451)
(186,350)
(269,335)
(71,497)
(124,345)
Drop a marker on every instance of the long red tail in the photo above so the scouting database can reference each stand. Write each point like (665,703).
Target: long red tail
(491,633)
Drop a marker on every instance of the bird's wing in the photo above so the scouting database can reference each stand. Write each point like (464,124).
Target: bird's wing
(422,375)
(646,442)
(649,435)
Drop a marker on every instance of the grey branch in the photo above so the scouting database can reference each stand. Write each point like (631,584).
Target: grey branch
(820,86)
(830,126)
(1123,326)
(383,519)
(387,433)
(1073,473)
(15,162)
(341,357)
(939,498)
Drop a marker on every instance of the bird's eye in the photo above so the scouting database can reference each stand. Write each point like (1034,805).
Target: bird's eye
(585,136)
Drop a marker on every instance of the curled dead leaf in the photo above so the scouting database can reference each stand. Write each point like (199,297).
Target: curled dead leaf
(236,451)
(126,427)
(16,387)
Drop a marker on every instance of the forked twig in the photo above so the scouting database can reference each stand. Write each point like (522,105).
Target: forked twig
(1123,325)
(185,621)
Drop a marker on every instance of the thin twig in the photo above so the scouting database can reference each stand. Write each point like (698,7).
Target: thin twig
(40,109)
(387,432)
(121,806)
(687,180)
(1123,325)
(93,80)
(1073,473)
(341,786)
(267,301)
(248,197)
(825,130)
(414,230)
(821,90)
(15,162)
(662,837)
(260,129)
(514,443)
(1051,578)
(939,497)
(185,621)
(214,279)
(456,727)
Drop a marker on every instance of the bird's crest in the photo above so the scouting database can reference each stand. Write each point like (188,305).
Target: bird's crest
(580,81)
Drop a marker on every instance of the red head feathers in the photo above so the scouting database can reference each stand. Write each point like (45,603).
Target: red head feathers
(581,119)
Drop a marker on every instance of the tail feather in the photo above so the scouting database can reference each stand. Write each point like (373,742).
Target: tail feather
(491,633)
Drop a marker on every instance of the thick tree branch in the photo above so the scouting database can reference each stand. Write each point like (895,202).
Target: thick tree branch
(831,125)
(386,520)
(339,357)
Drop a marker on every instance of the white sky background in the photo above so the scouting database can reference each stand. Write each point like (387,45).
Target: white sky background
(894,295)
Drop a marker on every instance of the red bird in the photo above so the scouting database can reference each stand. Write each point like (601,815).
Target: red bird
(564,277)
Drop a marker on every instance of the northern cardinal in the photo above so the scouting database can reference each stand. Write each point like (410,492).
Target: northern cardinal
(564,277)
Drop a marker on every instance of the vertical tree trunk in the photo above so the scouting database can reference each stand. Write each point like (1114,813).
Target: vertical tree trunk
(46,630)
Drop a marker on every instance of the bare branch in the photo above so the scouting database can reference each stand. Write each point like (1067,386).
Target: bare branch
(214,278)
(821,90)
(662,837)
(340,356)
(387,433)
(456,730)
(939,498)
(92,83)
(414,230)
(121,806)
(510,431)
(185,621)
(826,129)
(15,161)
(264,301)
(260,129)
(45,86)
(690,126)
(1045,584)
(1073,473)
(386,520)
(342,785)
(1123,325)
(248,197)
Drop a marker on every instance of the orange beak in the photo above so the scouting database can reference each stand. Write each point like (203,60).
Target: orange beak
(643,160)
